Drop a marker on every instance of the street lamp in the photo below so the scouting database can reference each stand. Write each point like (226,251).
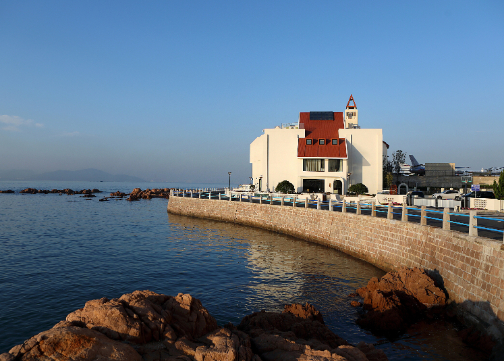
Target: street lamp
(229,173)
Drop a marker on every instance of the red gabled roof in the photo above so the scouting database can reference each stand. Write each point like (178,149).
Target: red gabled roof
(322,129)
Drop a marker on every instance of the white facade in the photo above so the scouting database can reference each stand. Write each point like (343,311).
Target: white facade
(274,158)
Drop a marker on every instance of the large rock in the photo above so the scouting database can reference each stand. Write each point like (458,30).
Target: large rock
(399,299)
(299,333)
(306,327)
(143,316)
(68,342)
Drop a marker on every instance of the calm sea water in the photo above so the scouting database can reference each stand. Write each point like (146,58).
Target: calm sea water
(59,251)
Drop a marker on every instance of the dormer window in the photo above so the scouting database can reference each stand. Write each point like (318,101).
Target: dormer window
(334,141)
(321,141)
(309,141)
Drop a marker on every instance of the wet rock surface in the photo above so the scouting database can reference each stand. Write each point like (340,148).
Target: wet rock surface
(145,325)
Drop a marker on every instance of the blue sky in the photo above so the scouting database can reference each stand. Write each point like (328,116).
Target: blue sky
(177,91)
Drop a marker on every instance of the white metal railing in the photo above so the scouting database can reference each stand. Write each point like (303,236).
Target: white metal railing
(360,206)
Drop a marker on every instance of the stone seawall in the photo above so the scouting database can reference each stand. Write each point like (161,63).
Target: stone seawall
(471,268)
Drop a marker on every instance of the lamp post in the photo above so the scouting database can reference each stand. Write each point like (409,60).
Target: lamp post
(229,173)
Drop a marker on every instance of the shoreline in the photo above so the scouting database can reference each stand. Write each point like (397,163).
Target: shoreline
(388,244)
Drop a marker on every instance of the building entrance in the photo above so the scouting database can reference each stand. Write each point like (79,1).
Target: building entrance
(313,186)
(337,187)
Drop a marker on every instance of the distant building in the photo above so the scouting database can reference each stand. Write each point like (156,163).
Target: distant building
(322,152)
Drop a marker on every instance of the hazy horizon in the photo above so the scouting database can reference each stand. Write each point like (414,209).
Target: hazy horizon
(177,91)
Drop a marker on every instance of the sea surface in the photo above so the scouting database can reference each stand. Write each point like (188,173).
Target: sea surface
(59,251)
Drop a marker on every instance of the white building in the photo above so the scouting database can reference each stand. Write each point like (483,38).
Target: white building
(322,152)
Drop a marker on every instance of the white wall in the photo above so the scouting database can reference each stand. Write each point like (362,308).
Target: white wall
(274,157)
(365,154)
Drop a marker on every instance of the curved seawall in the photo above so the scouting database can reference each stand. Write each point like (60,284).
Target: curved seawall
(472,268)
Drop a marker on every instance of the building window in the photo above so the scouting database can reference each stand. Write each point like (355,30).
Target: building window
(321,141)
(313,186)
(334,141)
(308,142)
(334,165)
(313,165)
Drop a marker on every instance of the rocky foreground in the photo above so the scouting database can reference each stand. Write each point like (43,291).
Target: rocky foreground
(145,325)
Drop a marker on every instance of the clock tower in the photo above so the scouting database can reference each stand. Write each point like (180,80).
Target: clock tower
(351,115)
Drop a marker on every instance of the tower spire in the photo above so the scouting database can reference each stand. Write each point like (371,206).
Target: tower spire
(354,106)
(351,114)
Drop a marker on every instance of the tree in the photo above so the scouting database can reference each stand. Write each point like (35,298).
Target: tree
(285,187)
(498,188)
(387,172)
(398,159)
(358,188)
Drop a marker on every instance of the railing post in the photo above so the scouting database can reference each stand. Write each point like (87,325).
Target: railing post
(294,201)
(318,203)
(220,196)
(271,199)
(404,216)
(306,202)
(473,223)
(358,211)
(446,219)
(423,214)
(260,199)
(190,194)
(250,198)
(199,194)
(390,215)
(282,201)
(330,204)
(343,206)
(230,196)
(241,197)
(373,209)
(171,192)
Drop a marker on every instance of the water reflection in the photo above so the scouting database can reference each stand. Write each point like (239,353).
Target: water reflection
(281,269)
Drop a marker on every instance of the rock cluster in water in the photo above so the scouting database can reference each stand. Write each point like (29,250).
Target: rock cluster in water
(399,299)
(135,195)
(60,191)
(144,325)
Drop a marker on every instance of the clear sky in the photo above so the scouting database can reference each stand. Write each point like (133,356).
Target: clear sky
(177,90)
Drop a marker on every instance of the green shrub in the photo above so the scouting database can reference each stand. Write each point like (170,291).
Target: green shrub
(285,187)
(358,188)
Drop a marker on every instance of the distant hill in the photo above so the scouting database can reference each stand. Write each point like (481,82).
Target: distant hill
(91,175)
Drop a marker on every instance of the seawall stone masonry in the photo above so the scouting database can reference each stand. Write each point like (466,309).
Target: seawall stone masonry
(471,268)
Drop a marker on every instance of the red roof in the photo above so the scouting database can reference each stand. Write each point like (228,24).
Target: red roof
(321,129)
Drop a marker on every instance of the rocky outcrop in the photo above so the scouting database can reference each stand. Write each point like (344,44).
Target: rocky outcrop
(145,325)
(65,341)
(135,195)
(399,299)
(138,194)
(68,191)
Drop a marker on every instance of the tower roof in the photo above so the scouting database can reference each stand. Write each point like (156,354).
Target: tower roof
(354,106)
